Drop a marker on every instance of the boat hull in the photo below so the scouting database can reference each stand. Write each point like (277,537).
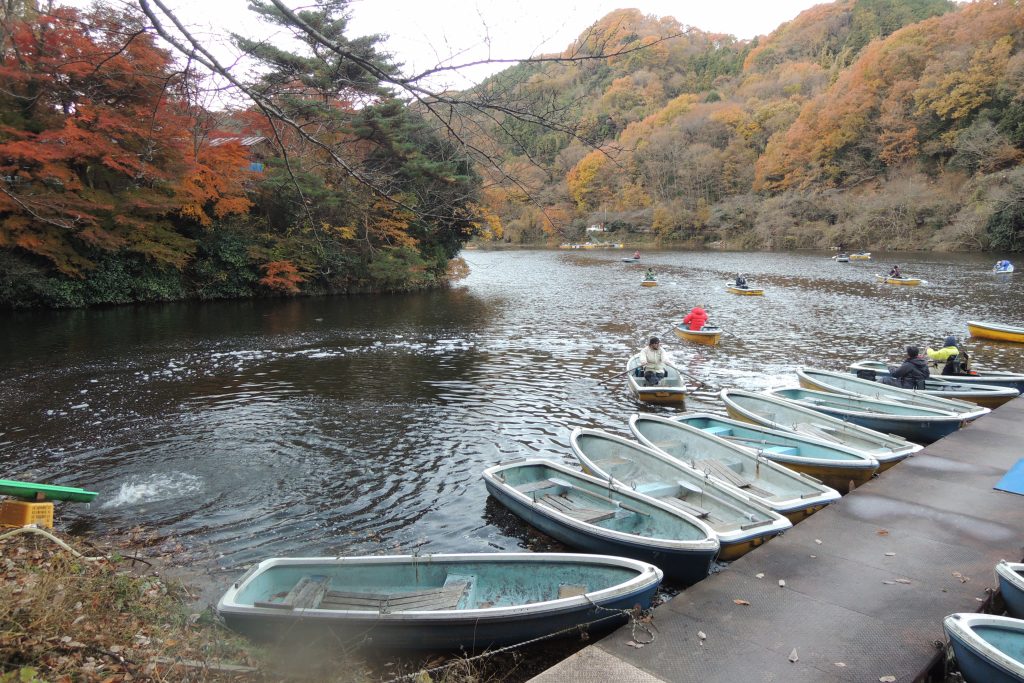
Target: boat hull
(996,332)
(649,283)
(685,562)
(1011,380)
(860,257)
(707,336)
(906,281)
(249,606)
(979,660)
(1011,586)
(669,391)
(743,291)
(924,429)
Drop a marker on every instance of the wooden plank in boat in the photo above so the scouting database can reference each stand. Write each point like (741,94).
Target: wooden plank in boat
(694,510)
(307,593)
(725,472)
(432,599)
(568,507)
(532,486)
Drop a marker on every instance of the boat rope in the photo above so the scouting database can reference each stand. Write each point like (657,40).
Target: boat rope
(638,618)
(47,534)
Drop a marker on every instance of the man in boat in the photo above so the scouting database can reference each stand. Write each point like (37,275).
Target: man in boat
(895,271)
(955,359)
(636,254)
(650,274)
(911,374)
(652,362)
(741,281)
(696,318)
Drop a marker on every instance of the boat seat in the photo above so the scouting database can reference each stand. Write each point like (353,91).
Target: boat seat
(570,508)
(719,431)
(307,593)
(723,471)
(532,486)
(658,489)
(783,450)
(445,597)
(694,510)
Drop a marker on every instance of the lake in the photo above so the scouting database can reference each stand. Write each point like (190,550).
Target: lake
(360,425)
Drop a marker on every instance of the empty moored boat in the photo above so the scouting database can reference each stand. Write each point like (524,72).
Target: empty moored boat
(792,494)
(708,335)
(836,466)
(741,523)
(670,389)
(441,602)
(844,383)
(996,331)
(600,516)
(776,413)
(1002,388)
(922,425)
(988,649)
(1010,576)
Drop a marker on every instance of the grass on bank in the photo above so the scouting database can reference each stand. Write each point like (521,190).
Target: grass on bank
(70,618)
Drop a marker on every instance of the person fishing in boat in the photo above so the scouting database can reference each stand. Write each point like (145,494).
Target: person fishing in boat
(696,318)
(911,374)
(652,362)
(895,271)
(650,274)
(740,281)
(636,254)
(954,358)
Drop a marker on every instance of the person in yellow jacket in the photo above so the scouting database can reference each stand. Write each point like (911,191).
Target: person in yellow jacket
(955,360)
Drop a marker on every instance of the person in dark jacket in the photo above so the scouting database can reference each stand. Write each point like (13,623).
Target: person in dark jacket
(911,374)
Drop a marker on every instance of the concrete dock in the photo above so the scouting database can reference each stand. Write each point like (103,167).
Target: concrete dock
(867,581)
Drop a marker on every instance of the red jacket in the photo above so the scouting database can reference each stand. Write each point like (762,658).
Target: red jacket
(696,318)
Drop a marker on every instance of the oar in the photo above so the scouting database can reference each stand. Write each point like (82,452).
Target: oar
(572,487)
(624,372)
(701,382)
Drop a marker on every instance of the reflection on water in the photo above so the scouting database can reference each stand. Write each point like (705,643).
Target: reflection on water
(361,425)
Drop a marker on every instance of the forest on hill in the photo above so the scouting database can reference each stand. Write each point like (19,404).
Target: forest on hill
(878,124)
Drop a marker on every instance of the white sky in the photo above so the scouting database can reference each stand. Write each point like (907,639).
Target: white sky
(423,33)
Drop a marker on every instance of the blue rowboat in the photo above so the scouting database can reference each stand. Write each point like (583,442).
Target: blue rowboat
(776,413)
(844,383)
(1010,576)
(923,425)
(600,516)
(439,602)
(30,491)
(988,649)
(836,466)
(693,440)
(990,378)
(740,522)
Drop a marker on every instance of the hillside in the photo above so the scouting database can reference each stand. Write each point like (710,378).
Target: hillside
(875,123)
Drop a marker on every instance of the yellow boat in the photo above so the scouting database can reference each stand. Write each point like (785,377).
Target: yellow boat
(996,331)
(649,283)
(743,291)
(708,335)
(912,281)
(863,256)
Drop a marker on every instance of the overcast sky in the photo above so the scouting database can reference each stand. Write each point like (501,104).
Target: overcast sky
(423,33)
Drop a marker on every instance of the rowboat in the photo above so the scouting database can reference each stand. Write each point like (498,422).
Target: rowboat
(649,283)
(40,492)
(944,386)
(996,331)
(440,602)
(991,378)
(603,517)
(841,258)
(1003,267)
(630,259)
(670,389)
(1010,576)
(861,256)
(776,413)
(911,281)
(743,291)
(988,648)
(707,335)
(843,383)
(692,440)
(923,425)
(837,466)
(740,523)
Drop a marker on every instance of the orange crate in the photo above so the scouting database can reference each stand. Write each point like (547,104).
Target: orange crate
(22,513)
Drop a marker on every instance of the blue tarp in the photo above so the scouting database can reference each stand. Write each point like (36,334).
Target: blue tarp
(1013,480)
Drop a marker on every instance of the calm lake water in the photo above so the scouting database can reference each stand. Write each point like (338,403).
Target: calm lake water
(250,429)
